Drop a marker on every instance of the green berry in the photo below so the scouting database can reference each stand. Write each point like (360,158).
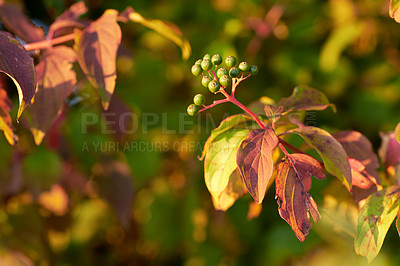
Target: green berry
(216,59)
(230,61)
(206,64)
(213,86)
(207,56)
(234,72)
(253,69)
(225,80)
(244,66)
(198,62)
(192,109)
(221,72)
(196,70)
(199,99)
(205,80)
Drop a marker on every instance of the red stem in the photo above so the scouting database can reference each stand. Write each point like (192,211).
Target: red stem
(48,43)
(214,104)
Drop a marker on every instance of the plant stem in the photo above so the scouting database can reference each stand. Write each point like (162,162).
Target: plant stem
(48,43)
(289,146)
(213,104)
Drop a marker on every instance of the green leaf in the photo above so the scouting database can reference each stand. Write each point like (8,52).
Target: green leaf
(220,160)
(394,10)
(397,132)
(18,65)
(374,221)
(332,153)
(166,29)
(305,98)
(96,48)
(234,121)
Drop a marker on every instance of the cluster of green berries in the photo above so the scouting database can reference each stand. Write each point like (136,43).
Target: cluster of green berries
(221,78)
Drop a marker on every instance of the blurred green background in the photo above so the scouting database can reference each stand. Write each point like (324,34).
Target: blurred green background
(90,197)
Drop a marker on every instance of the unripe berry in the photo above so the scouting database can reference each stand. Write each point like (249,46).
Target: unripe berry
(205,80)
(221,72)
(198,62)
(192,109)
(253,69)
(206,64)
(230,61)
(199,99)
(234,72)
(213,86)
(216,59)
(244,66)
(207,56)
(196,70)
(225,80)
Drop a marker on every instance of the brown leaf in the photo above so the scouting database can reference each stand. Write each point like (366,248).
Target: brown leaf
(15,20)
(18,65)
(56,81)
(255,162)
(69,20)
(97,47)
(294,202)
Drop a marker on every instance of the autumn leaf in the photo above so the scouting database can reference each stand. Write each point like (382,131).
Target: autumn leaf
(220,163)
(331,152)
(374,221)
(394,10)
(292,184)
(68,20)
(234,121)
(389,150)
(234,189)
(18,65)
(255,162)
(96,47)
(397,132)
(5,118)
(56,81)
(16,21)
(305,98)
(166,29)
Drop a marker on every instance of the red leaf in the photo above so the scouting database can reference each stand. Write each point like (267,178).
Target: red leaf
(15,20)
(18,65)
(307,166)
(293,199)
(5,118)
(56,81)
(69,20)
(254,159)
(97,47)
(389,150)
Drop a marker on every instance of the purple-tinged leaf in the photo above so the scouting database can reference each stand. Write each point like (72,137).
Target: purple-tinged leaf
(331,152)
(394,10)
(255,162)
(293,200)
(231,122)
(18,65)
(220,163)
(15,20)
(166,29)
(69,20)
(5,118)
(305,98)
(273,113)
(397,132)
(374,221)
(97,47)
(389,150)
(56,81)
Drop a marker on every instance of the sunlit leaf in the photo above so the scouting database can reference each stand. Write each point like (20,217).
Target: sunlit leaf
(374,221)
(69,19)
(232,192)
(56,81)
(55,200)
(305,98)
(96,47)
(18,65)
(294,202)
(254,210)
(394,10)
(397,132)
(234,121)
(5,118)
(166,29)
(389,150)
(15,20)
(220,161)
(331,152)
(255,162)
